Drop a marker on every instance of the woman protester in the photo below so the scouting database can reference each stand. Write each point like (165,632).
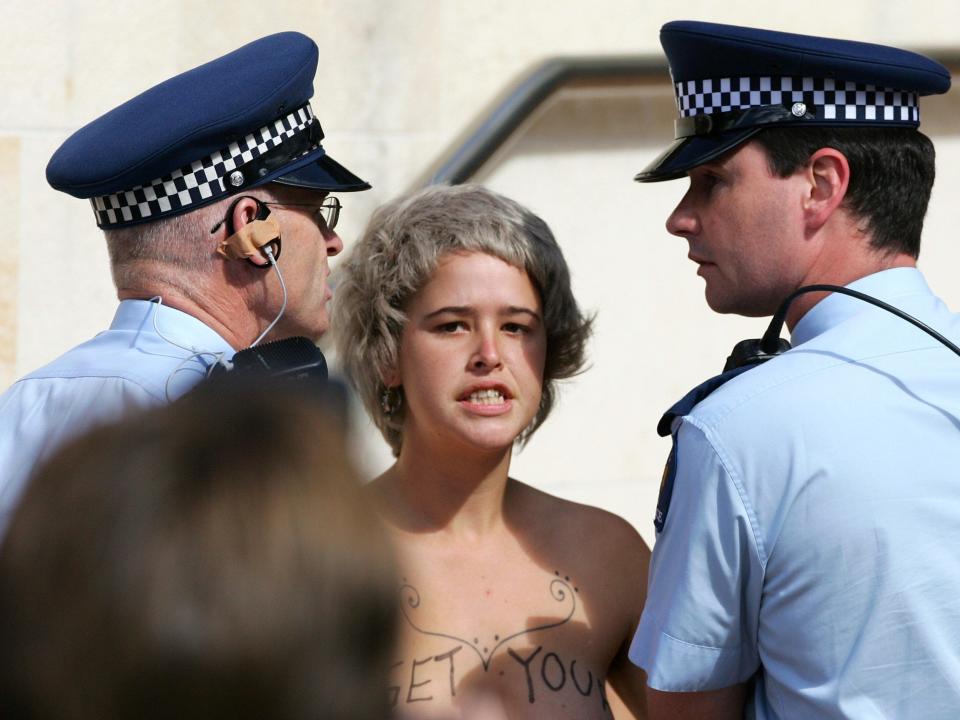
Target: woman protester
(454,319)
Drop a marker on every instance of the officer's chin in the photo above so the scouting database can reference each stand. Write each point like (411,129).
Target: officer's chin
(725,304)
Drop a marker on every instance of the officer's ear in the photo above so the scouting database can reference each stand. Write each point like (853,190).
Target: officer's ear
(828,176)
(250,232)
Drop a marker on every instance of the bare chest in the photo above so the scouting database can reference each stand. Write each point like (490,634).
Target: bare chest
(535,637)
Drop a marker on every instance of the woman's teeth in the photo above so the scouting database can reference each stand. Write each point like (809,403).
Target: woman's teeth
(486,397)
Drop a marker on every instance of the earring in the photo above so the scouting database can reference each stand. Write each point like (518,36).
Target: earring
(391,400)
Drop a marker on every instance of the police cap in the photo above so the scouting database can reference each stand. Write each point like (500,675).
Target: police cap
(730,82)
(232,124)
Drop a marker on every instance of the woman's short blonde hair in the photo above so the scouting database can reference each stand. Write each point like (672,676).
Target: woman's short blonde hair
(398,254)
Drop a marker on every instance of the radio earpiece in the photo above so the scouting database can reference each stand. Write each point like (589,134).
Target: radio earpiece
(252,240)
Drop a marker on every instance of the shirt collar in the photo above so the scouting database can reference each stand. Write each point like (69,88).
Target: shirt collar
(887,285)
(174,326)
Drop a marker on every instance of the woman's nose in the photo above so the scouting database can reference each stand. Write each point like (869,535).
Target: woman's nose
(487,354)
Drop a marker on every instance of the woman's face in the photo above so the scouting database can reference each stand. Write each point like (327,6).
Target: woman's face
(471,355)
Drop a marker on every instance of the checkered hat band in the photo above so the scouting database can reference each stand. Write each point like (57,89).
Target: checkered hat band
(828,99)
(200,181)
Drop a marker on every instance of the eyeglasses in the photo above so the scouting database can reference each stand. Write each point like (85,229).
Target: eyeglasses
(328,210)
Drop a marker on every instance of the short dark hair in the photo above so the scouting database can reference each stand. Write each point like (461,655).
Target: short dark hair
(215,558)
(891,175)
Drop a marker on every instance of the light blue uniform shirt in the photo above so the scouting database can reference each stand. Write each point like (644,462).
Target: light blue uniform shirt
(813,537)
(130,365)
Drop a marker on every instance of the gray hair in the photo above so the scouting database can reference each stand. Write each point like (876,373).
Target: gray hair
(180,248)
(177,243)
(396,257)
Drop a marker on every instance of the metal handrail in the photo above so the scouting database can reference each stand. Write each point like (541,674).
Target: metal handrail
(466,155)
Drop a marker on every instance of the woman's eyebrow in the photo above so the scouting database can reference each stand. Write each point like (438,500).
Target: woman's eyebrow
(515,309)
(449,309)
(467,309)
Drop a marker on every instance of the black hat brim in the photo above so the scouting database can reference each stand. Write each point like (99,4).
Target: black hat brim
(686,153)
(319,171)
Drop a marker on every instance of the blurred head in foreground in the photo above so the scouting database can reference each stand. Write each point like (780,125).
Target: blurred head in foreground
(214,558)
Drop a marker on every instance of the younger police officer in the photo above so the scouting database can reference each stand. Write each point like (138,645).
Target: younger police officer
(806,564)
(212,191)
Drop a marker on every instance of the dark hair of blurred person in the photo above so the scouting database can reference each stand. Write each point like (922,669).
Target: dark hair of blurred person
(211,559)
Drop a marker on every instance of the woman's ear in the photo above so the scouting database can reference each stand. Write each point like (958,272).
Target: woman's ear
(828,173)
(391,378)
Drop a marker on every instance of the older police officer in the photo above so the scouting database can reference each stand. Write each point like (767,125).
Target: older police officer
(806,563)
(212,191)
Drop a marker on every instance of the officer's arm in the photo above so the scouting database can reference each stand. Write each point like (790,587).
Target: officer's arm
(723,704)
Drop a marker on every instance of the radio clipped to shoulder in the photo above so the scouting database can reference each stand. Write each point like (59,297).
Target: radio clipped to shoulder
(757,351)
(748,354)
(295,358)
(753,352)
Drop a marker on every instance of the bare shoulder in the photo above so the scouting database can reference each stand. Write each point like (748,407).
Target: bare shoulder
(594,532)
(602,525)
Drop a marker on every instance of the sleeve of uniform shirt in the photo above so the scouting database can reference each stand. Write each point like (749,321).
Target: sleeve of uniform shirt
(698,630)
(37,416)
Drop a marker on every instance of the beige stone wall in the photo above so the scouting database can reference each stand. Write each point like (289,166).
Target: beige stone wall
(9,261)
(398,80)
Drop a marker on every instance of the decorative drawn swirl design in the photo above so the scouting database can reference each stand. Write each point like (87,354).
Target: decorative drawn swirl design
(560,590)
(413,600)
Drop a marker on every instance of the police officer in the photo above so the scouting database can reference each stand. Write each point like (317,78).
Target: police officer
(212,192)
(805,563)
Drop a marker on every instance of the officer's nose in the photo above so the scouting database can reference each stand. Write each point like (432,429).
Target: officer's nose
(683,221)
(332,241)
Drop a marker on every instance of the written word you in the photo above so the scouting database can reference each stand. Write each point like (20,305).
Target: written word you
(435,677)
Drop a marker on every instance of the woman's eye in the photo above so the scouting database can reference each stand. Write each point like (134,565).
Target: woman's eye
(451,327)
(516,328)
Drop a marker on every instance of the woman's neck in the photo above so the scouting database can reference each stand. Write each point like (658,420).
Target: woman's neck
(456,491)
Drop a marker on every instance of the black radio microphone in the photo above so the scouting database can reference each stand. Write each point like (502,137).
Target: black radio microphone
(756,351)
(296,358)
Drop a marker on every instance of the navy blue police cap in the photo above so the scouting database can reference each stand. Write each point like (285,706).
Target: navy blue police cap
(232,124)
(731,82)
